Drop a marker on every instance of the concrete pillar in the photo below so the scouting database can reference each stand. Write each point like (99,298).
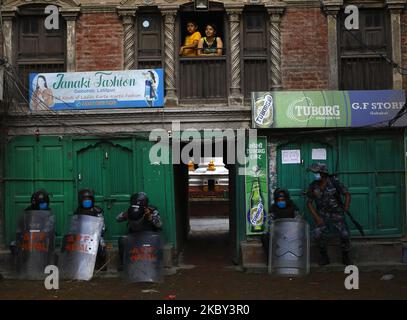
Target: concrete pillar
(8,18)
(171,99)
(331,9)
(235,93)
(395,8)
(129,37)
(70,15)
(276,12)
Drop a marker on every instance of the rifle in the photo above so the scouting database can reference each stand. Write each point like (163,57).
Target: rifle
(339,198)
(357,224)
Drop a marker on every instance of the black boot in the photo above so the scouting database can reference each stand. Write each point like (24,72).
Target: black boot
(345,244)
(121,244)
(346,260)
(324,259)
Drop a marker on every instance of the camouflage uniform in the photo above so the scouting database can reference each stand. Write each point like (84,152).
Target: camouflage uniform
(330,210)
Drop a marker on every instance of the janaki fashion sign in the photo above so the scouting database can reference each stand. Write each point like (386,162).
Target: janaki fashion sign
(294,109)
(99,89)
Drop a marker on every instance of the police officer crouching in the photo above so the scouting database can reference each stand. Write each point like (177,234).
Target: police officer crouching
(283,207)
(86,200)
(140,217)
(34,246)
(39,201)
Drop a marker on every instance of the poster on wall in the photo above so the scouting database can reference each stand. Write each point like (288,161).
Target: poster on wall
(96,90)
(256,186)
(318,154)
(312,109)
(290,156)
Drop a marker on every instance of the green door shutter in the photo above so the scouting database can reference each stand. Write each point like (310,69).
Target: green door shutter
(32,165)
(107,169)
(295,177)
(158,183)
(372,168)
(119,185)
(355,172)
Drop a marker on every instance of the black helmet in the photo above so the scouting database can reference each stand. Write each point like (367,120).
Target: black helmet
(86,193)
(281,193)
(40,196)
(140,199)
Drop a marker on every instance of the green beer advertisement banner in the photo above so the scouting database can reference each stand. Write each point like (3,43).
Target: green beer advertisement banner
(313,109)
(256,186)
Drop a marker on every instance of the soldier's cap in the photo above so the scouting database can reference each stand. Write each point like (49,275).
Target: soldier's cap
(318,167)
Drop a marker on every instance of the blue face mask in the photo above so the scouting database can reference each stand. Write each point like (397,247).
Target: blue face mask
(281,204)
(87,204)
(43,206)
(317,176)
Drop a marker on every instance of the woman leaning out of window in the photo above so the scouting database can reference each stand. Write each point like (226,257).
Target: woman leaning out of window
(211,45)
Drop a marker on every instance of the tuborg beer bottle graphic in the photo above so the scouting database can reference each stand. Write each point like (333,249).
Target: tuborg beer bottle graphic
(256,214)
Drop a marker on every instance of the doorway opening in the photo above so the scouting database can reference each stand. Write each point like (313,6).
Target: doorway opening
(205,219)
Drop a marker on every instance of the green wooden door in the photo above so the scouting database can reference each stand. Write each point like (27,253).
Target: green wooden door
(294,176)
(157,181)
(32,165)
(373,169)
(114,168)
(107,168)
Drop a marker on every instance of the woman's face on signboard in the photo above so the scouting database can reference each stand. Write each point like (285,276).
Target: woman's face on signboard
(41,83)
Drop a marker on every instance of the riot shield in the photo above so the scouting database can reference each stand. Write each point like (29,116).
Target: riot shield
(289,247)
(35,244)
(143,257)
(79,248)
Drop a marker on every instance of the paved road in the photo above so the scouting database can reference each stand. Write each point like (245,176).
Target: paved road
(213,276)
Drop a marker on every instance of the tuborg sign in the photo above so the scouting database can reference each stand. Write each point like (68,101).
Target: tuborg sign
(311,109)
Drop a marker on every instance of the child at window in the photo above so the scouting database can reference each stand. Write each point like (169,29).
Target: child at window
(210,45)
(191,40)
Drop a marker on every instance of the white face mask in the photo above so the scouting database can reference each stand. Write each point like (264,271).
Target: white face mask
(317,176)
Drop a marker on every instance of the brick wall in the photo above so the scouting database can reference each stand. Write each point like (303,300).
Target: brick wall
(304,41)
(99,42)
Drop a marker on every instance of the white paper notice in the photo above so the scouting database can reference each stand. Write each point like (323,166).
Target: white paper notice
(291,156)
(319,154)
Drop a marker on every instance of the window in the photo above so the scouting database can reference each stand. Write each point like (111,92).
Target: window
(149,39)
(255,55)
(38,49)
(202,19)
(361,65)
(203,78)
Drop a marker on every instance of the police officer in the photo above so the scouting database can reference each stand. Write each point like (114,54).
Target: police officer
(86,200)
(326,192)
(140,217)
(283,207)
(39,201)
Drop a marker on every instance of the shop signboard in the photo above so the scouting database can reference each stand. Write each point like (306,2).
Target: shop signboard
(316,109)
(96,90)
(256,186)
